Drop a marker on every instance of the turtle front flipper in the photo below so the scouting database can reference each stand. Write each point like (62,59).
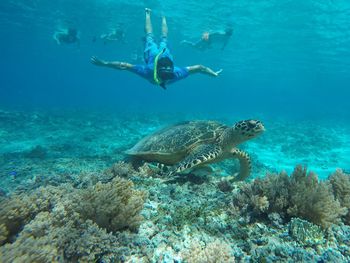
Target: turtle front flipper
(202,154)
(244,163)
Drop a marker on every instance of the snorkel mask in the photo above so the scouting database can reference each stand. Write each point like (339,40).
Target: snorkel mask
(163,69)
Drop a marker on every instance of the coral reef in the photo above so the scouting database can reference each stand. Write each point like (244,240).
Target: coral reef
(68,223)
(340,182)
(215,252)
(313,200)
(71,205)
(21,208)
(305,232)
(126,170)
(300,195)
(114,206)
(58,236)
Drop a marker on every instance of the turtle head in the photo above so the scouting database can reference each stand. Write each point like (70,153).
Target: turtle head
(243,131)
(247,129)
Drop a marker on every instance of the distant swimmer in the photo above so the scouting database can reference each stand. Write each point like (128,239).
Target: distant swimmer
(66,36)
(159,68)
(117,34)
(211,39)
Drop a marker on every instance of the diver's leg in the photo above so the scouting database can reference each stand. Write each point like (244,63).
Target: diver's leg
(164,28)
(163,44)
(148,23)
(151,48)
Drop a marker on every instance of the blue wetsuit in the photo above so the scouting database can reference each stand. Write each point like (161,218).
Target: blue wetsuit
(150,53)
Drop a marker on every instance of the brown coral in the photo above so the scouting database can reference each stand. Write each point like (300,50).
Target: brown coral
(300,195)
(340,183)
(277,188)
(62,223)
(214,252)
(114,206)
(21,208)
(313,200)
(260,203)
(59,236)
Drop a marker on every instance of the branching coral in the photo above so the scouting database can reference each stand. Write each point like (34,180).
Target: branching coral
(300,195)
(114,206)
(215,252)
(313,200)
(341,188)
(59,236)
(21,208)
(277,188)
(65,224)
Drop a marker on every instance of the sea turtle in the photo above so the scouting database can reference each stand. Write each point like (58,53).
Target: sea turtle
(191,144)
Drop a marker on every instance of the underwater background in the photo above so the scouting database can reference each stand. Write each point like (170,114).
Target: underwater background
(65,125)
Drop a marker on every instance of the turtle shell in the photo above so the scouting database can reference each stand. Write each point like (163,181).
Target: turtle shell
(170,145)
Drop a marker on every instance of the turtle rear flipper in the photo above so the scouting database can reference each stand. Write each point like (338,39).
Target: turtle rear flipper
(200,155)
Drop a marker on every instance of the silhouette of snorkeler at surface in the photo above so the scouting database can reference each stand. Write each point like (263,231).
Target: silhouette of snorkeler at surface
(159,68)
(117,34)
(210,39)
(67,36)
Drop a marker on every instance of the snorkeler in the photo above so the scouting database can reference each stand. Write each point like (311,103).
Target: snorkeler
(117,34)
(210,39)
(159,68)
(67,36)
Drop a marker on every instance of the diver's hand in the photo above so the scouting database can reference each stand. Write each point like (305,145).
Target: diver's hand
(98,62)
(217,73)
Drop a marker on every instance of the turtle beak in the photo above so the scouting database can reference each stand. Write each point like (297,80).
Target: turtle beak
(261,127)
(256,125)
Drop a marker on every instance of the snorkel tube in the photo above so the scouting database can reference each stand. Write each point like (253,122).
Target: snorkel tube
(155,74)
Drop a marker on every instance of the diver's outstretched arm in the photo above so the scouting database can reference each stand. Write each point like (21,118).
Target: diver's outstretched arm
(111,64)
(187,43)
(204,70)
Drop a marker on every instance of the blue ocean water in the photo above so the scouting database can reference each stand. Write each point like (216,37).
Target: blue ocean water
(286,58)
(64,120)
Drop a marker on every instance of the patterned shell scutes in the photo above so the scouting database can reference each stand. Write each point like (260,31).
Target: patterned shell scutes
(180,137)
